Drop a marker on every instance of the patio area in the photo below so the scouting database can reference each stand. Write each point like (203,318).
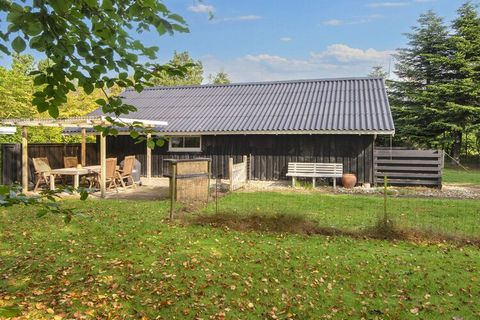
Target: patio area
(108,174)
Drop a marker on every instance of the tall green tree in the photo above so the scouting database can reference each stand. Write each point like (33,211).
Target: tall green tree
(219,78)
(461,88)
(420,67)
(191,71)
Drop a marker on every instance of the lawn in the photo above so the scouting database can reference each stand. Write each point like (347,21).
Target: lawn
(356,212)
(122,260)
(461,176)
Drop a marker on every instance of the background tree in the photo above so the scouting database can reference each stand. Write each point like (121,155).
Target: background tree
(219,78)
(460,116)
(378,71)
(192,71)
(435,103)
(16,92)
(420,68)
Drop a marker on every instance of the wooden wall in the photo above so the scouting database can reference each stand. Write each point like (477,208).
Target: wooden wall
(269,154)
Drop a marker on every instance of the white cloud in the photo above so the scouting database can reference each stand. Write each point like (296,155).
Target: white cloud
(242,18)
(345,54)
(201,8)
(333,22)
(387,4)
(337,60)
(286,39)
(352,21)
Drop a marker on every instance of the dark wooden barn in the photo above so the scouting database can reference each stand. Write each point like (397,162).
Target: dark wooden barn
(273,123)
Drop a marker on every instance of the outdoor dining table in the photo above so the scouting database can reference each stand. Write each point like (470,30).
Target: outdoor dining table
(75,172)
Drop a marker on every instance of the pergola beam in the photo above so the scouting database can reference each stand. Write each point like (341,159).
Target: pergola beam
(24,159)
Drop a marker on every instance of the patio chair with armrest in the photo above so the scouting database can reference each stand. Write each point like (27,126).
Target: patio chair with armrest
(111,173)
(126,172)
(42,172)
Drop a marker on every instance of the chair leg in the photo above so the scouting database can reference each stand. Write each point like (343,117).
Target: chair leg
(334,183)
(293,182)
(37,184)
(122,182)
(313,182)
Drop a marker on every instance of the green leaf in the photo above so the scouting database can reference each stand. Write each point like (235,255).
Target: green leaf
(18,44)
(91,3)
(4,49)
(101,102)
(39,80)
(53,111)
(134,134)
(151,144)
(160,142)
(88,87)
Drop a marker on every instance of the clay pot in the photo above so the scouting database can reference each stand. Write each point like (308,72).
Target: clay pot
(349,180)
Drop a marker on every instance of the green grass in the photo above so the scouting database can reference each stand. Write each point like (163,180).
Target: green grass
(461,176)
(121,260)
(355,212)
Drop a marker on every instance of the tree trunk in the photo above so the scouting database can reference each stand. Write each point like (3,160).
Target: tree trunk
(457,145)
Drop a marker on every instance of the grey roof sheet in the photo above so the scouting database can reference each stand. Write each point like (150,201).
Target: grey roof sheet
(336,105)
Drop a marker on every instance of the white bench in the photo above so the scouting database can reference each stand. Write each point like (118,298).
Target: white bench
(314,170)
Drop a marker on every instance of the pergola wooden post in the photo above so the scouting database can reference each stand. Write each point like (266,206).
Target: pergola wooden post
(149,159)
(24,160)
(103,164)
(83,157)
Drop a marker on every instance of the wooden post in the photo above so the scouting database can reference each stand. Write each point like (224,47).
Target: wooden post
(149,159)
(24,160)
(230,172)
(103,164)
(83,156)
(245,162)
(173,183)
(385,216)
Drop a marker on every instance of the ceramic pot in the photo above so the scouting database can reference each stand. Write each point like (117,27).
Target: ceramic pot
(349,180)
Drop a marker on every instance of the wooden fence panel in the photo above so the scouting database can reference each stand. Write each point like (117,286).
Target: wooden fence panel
(408,167)
(12,157)
(238,173)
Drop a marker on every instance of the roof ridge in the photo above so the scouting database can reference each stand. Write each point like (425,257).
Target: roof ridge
(258,83)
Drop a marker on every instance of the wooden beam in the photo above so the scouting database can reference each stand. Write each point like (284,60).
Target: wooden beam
(103,164)
(24,159)
(84,148)
(149,158)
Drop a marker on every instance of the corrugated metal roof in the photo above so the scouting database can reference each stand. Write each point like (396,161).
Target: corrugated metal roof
(346,105)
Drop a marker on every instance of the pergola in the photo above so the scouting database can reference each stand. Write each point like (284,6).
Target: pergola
(82,123)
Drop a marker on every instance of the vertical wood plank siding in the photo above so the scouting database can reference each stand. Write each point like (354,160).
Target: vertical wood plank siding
(12,157)
(270,153)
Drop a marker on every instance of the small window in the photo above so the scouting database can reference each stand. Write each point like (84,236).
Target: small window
(185,144)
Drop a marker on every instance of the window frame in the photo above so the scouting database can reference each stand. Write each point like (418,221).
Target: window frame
(184,149)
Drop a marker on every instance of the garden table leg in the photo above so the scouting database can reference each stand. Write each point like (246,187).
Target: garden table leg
(52,182)
(76,181)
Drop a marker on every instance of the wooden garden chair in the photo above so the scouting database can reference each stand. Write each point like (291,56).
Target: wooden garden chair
(126,172)
(70,162)
(42,172)
(111,173)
